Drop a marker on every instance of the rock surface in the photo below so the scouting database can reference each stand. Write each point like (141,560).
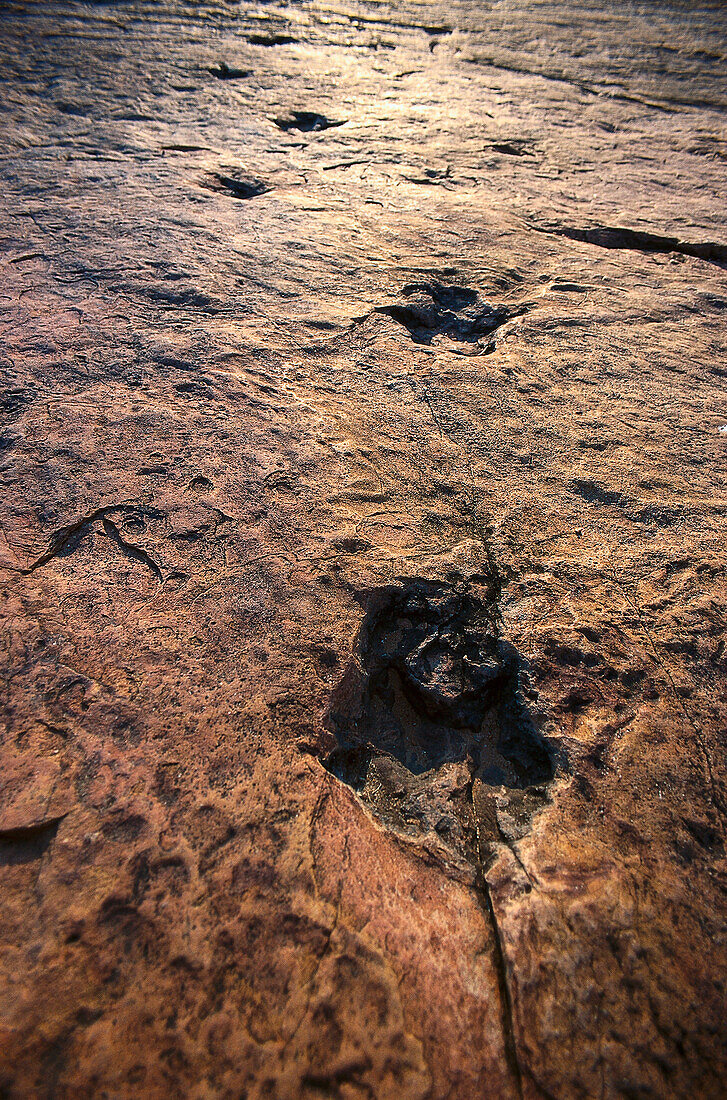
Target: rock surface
(362,550)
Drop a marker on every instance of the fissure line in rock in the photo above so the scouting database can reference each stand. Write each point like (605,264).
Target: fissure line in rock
(433,736)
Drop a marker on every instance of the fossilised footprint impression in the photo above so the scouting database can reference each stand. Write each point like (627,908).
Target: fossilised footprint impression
(431,729)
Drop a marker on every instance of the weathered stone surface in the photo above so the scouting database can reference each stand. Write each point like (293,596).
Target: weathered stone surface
(309,312)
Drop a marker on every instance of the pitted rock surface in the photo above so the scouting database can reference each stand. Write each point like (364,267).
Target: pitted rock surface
(362,556)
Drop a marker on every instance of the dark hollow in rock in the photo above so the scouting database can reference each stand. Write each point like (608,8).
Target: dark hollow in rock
(459,312)
(429,704)
(27,843)
(516,148)
(223,71)
(238,185)
(596,494)
(432,177)
(273,39)
(14,400)
(638,240)
(307,122)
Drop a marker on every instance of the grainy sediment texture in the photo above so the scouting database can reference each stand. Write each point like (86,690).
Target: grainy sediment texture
(362,550)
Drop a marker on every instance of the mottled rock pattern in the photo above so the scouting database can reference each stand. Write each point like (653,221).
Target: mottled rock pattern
(305,307)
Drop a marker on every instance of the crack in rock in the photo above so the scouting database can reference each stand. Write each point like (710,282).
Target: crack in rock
(66,539)
(638,240)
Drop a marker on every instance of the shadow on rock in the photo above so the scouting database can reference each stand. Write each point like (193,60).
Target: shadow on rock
(429,708)
(431,309)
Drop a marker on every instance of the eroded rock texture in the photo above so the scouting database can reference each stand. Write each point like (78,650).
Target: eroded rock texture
(362,550)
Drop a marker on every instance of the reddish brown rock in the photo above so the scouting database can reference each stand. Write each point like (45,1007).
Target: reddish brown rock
(362,551)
